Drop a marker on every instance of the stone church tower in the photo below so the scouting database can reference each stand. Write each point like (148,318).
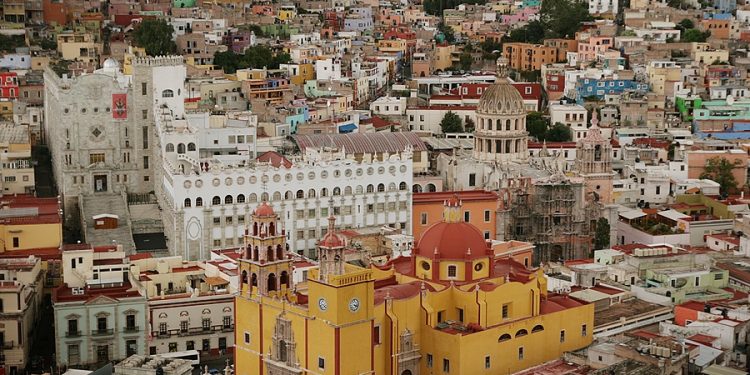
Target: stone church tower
(594,163)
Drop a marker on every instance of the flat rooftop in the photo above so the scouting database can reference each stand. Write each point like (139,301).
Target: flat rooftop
(625,309)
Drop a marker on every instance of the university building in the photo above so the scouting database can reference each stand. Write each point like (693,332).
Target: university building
(452,306)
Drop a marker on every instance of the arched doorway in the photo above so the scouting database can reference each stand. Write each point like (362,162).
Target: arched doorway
(271,282)
(406,372)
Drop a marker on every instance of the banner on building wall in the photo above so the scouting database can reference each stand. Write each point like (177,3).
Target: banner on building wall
(120,106)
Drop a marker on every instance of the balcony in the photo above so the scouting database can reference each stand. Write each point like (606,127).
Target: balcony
(102,332)
(131,329)
(202,330)
(73,334)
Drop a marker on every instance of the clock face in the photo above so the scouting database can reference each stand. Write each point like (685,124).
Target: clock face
(323,304)
(354,305)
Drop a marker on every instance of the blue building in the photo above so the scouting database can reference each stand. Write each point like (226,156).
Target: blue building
(593,87)
(732,132)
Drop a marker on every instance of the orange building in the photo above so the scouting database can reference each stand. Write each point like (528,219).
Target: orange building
(563,46)
(698,159)
(527,57)
(478,206)
(719,28)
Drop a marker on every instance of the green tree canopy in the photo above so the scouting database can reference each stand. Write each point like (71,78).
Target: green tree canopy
(465,60)
(720,169)
(601,237)
(536,125)
(10,43)
(447,32)
(559,132)
(155,35)
(694,35)
(532,32)
(254,57)
(451,123)
(563,18)
(686,24)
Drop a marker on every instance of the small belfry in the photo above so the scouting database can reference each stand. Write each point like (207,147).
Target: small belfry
(594,162)
(331,252)
(266,268)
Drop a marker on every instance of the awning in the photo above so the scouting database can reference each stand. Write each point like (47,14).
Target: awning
(634,214)
(216,281)
(347,128)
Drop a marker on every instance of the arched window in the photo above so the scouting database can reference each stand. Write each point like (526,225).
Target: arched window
(300,194)
(252,198)
(240,198)
(269,254)
(402,186)
(264,197)
(348,190)
(489,124)
(311,193)
(323,192)
(370,188)
(187,202)
(504,337)
(284,279)
(244,277)
(521,333)
(507,124)
(170,147)
(254,279)
(359,189)
(191,146)
(337,191)
(277,196)
(228,199)
(167,93)
(597,153)
(181,148)
(537,328)
(417,188)
(381,188)
(288,195)
(216,201)
(391,187)
(198,202)
(431,188)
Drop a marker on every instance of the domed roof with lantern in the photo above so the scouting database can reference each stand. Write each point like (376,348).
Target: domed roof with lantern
(264,210)
(501,98)
(452,238)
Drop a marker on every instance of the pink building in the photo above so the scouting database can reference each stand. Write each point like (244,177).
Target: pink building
(522,16)
(594,46)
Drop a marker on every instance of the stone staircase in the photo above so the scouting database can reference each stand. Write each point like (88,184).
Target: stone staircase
(113,204)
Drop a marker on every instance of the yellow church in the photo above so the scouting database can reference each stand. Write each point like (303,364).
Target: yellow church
(452,307)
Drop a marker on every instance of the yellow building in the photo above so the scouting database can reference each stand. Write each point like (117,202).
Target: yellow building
(451,307)
(133,52)
(29,223)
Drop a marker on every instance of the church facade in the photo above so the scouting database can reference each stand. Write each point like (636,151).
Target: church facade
(453,306)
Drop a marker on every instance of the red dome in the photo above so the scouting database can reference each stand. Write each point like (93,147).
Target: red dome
(331,240)
(264,210)
(452,240)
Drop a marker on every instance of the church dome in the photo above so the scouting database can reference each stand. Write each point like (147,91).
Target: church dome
(331,239)
(501,98)
(452,240)
(264,210)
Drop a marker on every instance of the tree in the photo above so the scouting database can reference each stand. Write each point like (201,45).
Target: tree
(536,125)
(601,236)
(563,18)
(451,123)
(465,60)
(694,35)
(254,57)
(720,169)
(532,32)
(559,132)
(447,31)
(156,37)
(10,43)
(469,125)
(686,24)
(60,67)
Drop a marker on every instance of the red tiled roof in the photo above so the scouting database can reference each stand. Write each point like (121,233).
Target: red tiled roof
(48,253)
(275,159)
(703,339)
(187,269)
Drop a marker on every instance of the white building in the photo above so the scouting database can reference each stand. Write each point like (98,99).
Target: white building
(388,106)
(206,199)
(328,69)
(428,118)
(20,304)
(575,116)
(597,7)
